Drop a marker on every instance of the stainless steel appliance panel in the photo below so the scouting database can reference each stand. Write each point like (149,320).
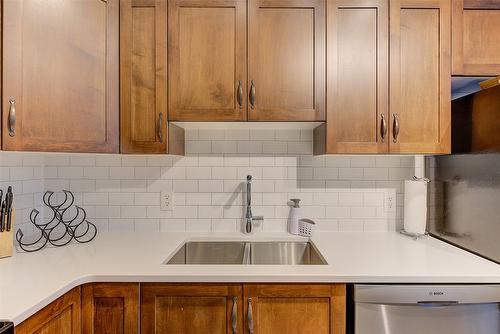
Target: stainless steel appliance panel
(425,309)
(464,205)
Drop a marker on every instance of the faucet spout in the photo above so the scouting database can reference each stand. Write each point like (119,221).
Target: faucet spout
(248,215)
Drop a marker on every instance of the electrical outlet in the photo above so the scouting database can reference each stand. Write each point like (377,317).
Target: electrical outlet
(390,201)
(167,201)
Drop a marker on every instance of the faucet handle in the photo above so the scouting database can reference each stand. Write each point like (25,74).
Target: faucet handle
(258,218)
(294,202)
(249,178)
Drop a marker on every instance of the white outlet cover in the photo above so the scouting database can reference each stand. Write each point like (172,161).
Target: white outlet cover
(166,201)
(390,201)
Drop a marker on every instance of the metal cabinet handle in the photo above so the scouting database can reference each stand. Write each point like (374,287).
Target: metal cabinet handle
(240,94)
(234,315)
(383,127)
(159,127)
(250,317)
(12,117)
(252,94)
(395,127)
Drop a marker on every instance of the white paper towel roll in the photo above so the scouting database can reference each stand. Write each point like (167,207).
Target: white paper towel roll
(415,209)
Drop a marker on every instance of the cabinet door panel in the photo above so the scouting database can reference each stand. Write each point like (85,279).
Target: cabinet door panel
(476,41)
(357,56)
(143,90)
(62,71)
(420,77)
(286,61)
(207,60)
(110,308)
(290,308)
(195,308)
(61,316)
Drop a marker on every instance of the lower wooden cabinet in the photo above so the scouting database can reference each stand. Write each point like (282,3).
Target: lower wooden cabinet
(130,308)
(257,308)
(63,316)
(294,308)
(189,309)
(110,308)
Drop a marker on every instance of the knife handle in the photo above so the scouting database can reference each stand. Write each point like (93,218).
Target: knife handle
(9,220)
(2,217)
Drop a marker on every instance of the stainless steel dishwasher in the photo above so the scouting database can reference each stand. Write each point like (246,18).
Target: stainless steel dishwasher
(426,309)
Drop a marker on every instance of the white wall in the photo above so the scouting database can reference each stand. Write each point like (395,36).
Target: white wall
(122,192)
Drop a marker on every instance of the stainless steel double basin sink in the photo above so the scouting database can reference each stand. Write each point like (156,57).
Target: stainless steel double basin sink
(242,252)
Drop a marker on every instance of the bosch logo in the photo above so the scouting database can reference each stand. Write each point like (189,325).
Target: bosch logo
(436,293)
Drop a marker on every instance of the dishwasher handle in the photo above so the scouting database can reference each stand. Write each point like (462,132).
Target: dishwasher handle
(425,303)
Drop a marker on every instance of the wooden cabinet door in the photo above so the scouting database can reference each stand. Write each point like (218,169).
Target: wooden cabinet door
(61,316)
(286,60)
(143,81)
(190,309)
(294,308)
(357,67)
(420,79)
(476,37)
(60,75)
(110,308)
(207,60)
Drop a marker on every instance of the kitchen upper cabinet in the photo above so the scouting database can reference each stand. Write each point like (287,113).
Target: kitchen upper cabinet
(420,78)
(194,308)
(357,90)
(207,60)
(110,308)
(286,60)
(61,316)
(476,37)
(290,308)
(143,80)
(60,75)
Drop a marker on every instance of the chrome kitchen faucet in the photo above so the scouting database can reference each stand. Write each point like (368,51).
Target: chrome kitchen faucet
(248,215)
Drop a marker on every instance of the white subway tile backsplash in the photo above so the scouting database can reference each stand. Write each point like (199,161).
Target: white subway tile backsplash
(135,211)
(239,134)
(107,186)
(121,198)
(350,173)
(80,186)
(198,173)
(4,174)
(70,172)
(300,147)
(198,199)
(122,192)
(121,173)
(172,225)
(82,160)
(134,160)
(145,173)
(159,160)
(288,135)
(264,134)
(210,186)
(198,146)
(222,146)
(147,199)
(198,225)
(185,186)
(96,172)
(134,185)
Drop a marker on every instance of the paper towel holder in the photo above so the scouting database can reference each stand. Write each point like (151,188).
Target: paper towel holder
(416,236)
(423,179)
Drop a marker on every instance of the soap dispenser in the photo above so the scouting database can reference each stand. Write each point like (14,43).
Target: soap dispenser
(294,216)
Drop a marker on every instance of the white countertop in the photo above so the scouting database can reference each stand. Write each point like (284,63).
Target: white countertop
(30,281)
